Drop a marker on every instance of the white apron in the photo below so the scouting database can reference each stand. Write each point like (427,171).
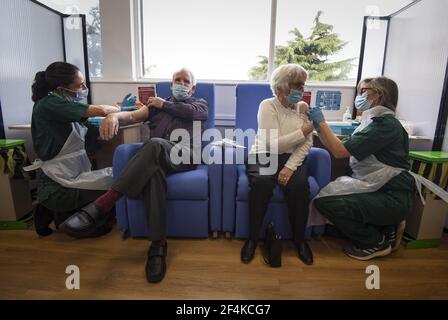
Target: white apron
(71,167)
(369,175)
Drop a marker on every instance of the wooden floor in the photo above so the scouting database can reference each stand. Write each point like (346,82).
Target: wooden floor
(34,268)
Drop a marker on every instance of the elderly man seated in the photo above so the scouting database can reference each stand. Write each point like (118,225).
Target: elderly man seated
(144,177)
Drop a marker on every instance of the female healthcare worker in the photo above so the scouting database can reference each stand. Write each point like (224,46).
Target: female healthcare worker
(370,206)
(66,181)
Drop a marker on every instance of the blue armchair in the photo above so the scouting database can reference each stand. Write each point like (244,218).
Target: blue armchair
(193,197)
(236,184)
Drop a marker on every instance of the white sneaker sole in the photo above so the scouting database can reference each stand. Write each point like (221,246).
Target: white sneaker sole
(381,253)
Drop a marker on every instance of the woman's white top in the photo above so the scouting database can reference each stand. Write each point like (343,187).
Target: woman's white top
(281,126)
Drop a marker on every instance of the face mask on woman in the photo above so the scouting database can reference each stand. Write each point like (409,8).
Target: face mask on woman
(294,96)
(80,94)
(362,103)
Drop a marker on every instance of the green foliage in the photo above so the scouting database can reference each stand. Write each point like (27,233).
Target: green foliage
(312,53)
(94,27)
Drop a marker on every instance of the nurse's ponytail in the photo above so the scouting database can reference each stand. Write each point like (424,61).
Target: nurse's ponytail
(57,74)
(40,86)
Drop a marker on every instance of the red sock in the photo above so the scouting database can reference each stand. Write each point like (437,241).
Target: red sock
(106,202)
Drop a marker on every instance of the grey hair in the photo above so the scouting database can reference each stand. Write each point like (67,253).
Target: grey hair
(285,75)
(193,78)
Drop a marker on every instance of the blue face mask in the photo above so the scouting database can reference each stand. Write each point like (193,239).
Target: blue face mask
(80,95)
(362,103)
(294,97)
(180,92)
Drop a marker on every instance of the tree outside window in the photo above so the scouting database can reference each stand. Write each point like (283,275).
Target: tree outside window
(312,52)
(94,42)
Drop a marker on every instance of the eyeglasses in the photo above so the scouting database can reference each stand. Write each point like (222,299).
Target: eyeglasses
(297,86)
(363,90)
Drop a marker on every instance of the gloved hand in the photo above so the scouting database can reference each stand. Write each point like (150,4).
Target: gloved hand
(123,109)
(129,101)
(316,115)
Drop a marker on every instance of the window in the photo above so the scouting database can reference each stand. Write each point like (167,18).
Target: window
(215,39)
(331,52)
(91,9)
(229,40)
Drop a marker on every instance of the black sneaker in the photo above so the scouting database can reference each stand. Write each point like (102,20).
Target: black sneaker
(382,249)
(395,234)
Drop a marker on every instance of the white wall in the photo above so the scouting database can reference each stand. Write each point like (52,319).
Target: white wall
(74,42)
(117,39)
(416,59)
(31,39)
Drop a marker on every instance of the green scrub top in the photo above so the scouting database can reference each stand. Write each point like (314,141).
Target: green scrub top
(385,138)
(388,141)
(51,125)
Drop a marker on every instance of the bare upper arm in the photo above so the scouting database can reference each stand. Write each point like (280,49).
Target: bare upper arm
(139,115)
(303,107)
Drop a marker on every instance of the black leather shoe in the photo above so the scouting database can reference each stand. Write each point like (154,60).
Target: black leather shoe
(305,253)
(156,264)
(84,222)
(248,251)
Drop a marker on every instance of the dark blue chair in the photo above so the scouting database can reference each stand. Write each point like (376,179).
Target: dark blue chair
(235,180)
(193,197)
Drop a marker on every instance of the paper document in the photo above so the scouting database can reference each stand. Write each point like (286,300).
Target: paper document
(227,143)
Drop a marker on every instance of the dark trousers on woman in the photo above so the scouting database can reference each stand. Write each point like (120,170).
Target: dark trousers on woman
(296,193)
(144,178)
(57,203)
(363,217)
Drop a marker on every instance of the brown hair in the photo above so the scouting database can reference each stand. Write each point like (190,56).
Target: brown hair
(387,90)
(57,74)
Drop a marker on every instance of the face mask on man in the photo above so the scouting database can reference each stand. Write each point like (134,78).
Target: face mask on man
(362,103)
(294,96)
(180,92)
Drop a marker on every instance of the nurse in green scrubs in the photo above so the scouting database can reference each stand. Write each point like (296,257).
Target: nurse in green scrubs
(65,180)
(370,206)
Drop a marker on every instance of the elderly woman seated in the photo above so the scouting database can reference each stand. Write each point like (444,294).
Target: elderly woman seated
(285,138)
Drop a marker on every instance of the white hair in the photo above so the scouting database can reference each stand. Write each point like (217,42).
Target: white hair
(193,79)
(285,75)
